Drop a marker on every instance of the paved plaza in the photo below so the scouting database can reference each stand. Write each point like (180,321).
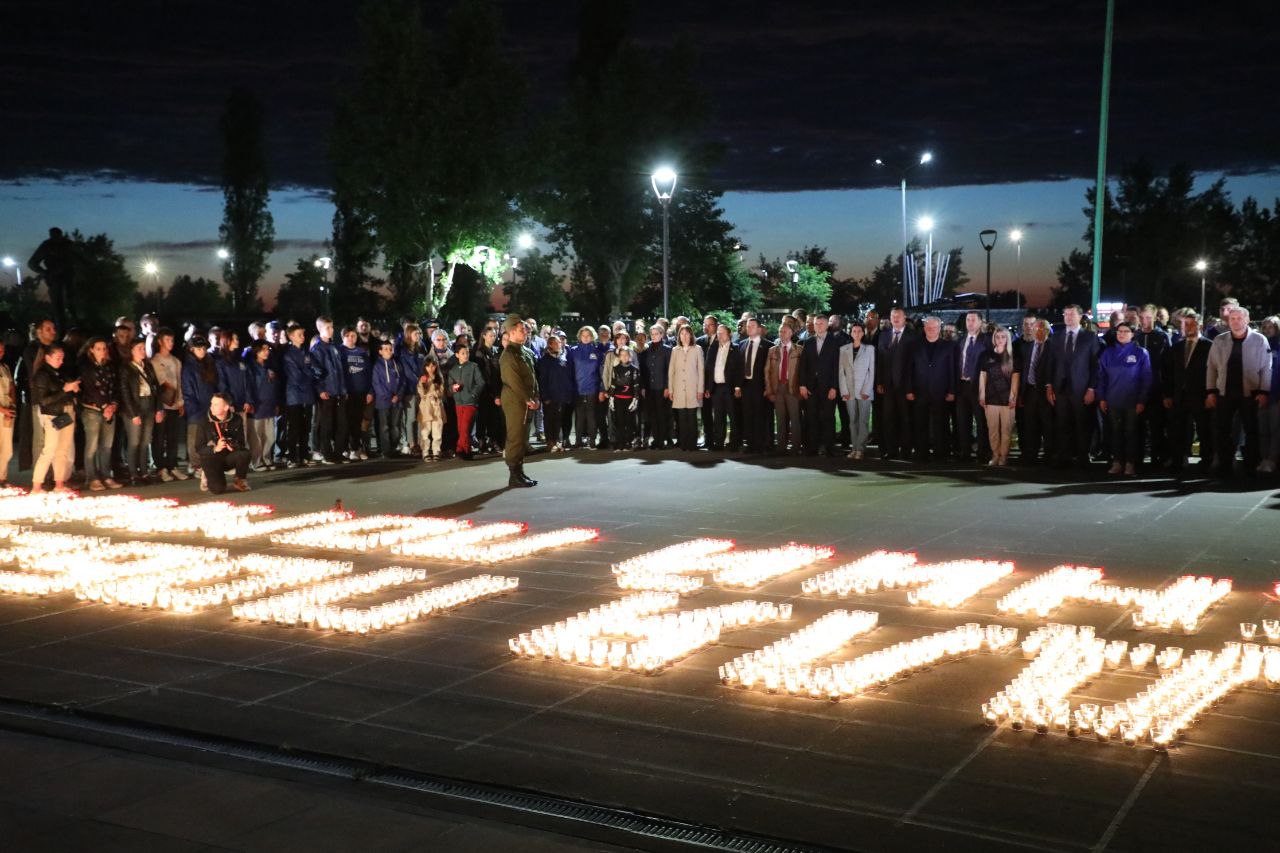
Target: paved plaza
(907,766)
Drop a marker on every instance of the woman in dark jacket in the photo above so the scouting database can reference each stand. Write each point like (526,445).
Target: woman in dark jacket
(139,393)
(53,391)
(491,430)
(98,403)
(557,387)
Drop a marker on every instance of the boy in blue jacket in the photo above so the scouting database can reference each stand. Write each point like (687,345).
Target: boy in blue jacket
(263,392)
(556,384)
(1124,382)
(199,384)
(387,385)
(359,408)
(331,392)
(299,395)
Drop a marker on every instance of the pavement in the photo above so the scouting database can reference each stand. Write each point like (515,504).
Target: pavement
(904,766)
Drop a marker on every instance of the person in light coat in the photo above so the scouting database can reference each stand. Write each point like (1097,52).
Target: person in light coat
(685,386)
(858,386)
(1238,393)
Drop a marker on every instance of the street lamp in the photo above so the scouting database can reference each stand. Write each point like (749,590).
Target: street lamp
(1201,266)
(525,242)
(925,224)
(925,159)
(151,268)
(663,181)
(223,254)
(325,264)
(793,269)
(988,240)
(1016,236)
(10,263)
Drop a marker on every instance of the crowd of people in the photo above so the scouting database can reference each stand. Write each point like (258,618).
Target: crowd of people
(150,403)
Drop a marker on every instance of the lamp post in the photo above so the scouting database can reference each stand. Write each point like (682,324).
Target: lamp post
(988,239)
(151,268)
(1016,236)
(793,273)
(525,242)
(925,224)
(10,263)
(925,158)
(1202,266)
(663,181)
(325,264)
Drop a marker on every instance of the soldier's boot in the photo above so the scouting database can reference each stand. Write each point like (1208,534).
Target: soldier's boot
(528,481)
(518,480)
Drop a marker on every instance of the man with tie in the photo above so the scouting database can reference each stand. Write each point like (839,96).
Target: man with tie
(1151,423)
(1184,369)
(892,364)
(782,385)
(819,387)
(755,357)
(1037,415)
(723,383)
(970,349)
(705,340)
(1073,356)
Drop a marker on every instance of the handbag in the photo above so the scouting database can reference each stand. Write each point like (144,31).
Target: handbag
(62,420)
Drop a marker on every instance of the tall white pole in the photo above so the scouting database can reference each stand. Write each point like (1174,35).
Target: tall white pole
(905,300)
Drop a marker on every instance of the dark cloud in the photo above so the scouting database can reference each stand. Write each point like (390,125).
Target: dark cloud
(807,92)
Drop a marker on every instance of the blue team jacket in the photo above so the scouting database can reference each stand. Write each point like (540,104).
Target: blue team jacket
(1124,375)
(263,387)
(555,378)
(588,364)
(196,392)
(299,377)
(329,367)
(359,376)
(388,381)
(232,376)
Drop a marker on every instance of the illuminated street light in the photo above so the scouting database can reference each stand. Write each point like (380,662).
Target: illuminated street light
(664,187)
(151,268)
(1201,266)
(223,254)
(10,263)
(925,224)
(925,158)
(793,268)
(324,263)
(525,241)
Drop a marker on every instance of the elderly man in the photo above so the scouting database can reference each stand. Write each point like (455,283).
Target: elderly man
(1238,380)
(519,399)
(931,385)
(1036,425)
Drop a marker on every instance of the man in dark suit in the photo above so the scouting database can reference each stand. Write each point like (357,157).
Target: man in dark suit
(1073,356)
(723,383)
(819,387)
(931,386)
(1185,366)
(755,357)
(705,340)
(835,328)
(969,351)
(1151,423)
(1037,415)
(893,358)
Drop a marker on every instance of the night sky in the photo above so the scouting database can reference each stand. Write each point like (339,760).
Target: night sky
(111,112)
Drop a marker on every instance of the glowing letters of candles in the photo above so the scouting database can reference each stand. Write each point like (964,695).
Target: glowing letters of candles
(772,665)
(445,546)
(368,532)
(514,549)
(957,582)
(947,584)
(1045,593)
(1063,657)
(667,569)
(241,527)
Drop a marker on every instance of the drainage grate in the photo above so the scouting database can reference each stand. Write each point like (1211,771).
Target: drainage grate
(619,820)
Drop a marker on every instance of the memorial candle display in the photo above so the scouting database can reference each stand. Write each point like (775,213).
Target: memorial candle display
(1045,593)
(243,527)
(368,532)
(748,569)
(514,549)
(683,557)
(877,570)
(178,519)
(1064,657)
(781,662)
(446,546)
(560,640)
(956,582)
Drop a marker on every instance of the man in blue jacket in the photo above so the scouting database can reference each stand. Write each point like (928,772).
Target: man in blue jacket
(931,384)
(1124,386)
(1073,380)
(330,427)
(387,386)
(359,404)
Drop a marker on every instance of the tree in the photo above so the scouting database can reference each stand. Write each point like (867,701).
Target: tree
(425,147)
(300,298)
(1250,269)
(248,230)
(193,299)
(100,287)
(812,290)
(354,253)
(630,109)
(537,290)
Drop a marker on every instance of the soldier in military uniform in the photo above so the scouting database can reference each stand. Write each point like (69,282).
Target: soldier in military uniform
(519,398)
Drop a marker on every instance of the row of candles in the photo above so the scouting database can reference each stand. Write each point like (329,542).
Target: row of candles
(368,532)
(245,527)
(1046,592)
(871,573)
(750,569)
(822,637)
(958,581)
(1270,630)
(639,639)
(445,546)
(316,606)
(489,553)
(1063,657)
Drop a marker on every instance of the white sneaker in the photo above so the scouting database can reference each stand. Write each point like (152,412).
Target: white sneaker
(317,457)
(1266,466)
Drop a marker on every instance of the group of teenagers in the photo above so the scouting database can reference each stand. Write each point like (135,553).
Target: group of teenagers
(149,404)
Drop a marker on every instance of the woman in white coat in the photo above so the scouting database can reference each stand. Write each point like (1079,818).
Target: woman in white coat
(684,387)
(858,386)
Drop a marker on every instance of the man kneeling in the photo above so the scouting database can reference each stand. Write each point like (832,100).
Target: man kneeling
(222,447)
